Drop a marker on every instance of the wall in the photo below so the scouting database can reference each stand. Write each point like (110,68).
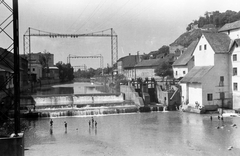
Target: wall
(12,146)
(234,34)
(130,94)
(211,81)
(236,78)
(37,69)
(195,94)
(203,57)
(69,99)
(145,72)
(178,71)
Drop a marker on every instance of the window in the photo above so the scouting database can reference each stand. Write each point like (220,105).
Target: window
(176,73)
(33,69)
(209,97)
(234,71)
(221,81)
(200,47)
(235,86)
(222,95)
(184,72)
(205,47)
(235,57)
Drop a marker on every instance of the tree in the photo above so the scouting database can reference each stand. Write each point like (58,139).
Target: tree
(163,70)
(65,71)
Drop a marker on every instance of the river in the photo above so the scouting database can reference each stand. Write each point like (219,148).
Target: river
(141,134)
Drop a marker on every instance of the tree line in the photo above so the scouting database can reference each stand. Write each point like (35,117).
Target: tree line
(216,18)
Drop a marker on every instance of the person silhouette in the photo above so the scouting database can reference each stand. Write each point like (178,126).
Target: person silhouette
(65,124)
(95,124)
(51,123)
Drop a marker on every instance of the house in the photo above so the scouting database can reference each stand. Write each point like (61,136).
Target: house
(185,62)
(234,72)
(146,68)
(7,70)
(208,82)
(54,73)
(125,66)
(37,61)
(231,29)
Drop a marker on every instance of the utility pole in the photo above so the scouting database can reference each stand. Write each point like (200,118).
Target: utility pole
(16,79)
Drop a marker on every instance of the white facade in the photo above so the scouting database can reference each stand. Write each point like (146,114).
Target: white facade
(235,72)
(233,34)
(195,94)
(145,72)
(36,69)
(211,78)
(203,54)
(180,71)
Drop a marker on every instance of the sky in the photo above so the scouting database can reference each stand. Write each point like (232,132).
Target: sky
(141,25)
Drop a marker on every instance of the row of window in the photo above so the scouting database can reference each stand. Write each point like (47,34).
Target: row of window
(200,47)
(210,96)
(176,73)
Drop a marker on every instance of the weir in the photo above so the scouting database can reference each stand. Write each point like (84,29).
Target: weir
(76,99)
(57,105)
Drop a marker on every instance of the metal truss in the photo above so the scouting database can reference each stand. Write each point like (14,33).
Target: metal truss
(86,57)
(3,57)
(12,19)
(83,67)
(31,32)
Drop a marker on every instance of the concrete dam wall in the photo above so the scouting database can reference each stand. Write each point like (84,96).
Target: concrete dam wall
(73,99)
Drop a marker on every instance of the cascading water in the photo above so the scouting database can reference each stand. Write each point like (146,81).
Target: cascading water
(82,105)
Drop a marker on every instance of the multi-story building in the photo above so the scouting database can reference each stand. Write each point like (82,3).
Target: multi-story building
(185,62)
(233,31)
(125,66)
(208,82)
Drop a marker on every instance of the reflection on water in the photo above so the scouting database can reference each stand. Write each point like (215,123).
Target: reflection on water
(158,133)
(74,88)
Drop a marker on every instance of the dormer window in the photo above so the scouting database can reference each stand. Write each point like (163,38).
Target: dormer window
(200,47)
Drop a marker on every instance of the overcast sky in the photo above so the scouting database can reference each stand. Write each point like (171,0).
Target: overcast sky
(141,25)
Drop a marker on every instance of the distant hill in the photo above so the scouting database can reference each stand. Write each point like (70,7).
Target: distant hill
(211,21)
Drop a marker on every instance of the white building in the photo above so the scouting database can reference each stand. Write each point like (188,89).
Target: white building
(233,31)
(208,82)
(185,62)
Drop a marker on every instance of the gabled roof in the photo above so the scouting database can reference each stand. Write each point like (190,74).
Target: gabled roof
(187,55)
(150,63)
(129,61)
(196,74)
(236,41)
(5,69)
(7,57)
(230,26)
(219,41)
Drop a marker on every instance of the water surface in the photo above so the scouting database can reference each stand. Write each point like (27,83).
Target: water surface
(140,134)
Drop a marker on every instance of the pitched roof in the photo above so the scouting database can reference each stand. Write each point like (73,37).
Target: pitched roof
(187,54)
(220,42)
(150,63)
(230,26)
(8,57)
(237,41)
(129,61)
(196,74)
